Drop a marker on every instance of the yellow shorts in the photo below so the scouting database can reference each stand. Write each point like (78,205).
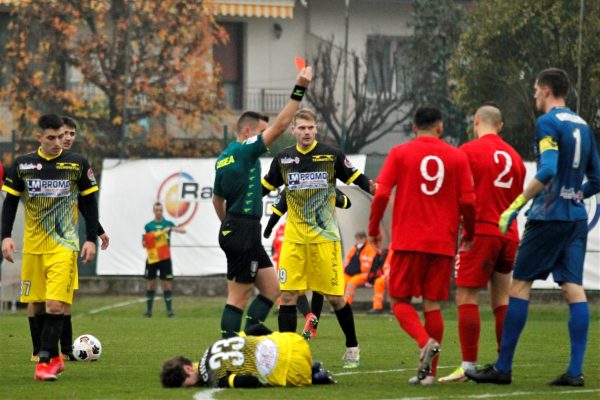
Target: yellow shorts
(314,266)
(48,277)
(294,365)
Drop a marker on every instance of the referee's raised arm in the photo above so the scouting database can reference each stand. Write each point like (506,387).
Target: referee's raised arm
(284,118)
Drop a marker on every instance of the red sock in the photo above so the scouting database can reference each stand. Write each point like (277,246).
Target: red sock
(409,321)
(499,313)
(434,325)
(469,328)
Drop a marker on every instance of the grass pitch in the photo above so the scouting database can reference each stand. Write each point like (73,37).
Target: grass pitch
(135,347)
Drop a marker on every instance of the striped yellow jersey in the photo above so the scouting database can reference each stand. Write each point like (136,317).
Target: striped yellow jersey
(266,357)
(49,188)
(310,178)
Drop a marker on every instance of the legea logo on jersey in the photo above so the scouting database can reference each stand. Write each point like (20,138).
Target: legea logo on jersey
(180,194)
(307,180)
(48,187)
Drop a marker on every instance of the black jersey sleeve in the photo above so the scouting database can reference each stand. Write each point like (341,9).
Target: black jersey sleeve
(87,181)
(344,170)
(279,208)
(273,179)
(9,212)
(13,183)
(89,209)
(342,200)
(240,381)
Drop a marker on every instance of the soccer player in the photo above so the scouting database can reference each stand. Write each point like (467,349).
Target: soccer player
(36,311)
(254,359)
(311,257)
(499,173)
(555,234)
(158,263)
(51,181)
(237,199)
(311,312)
(434,187)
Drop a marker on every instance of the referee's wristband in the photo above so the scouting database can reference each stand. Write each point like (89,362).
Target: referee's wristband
(298,93)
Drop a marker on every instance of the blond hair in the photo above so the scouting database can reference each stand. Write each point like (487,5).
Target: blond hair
(305,114)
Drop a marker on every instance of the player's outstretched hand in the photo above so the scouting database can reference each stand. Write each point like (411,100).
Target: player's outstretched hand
(511,213)
(304,77)
(8,249)
(372,186)
(88,251)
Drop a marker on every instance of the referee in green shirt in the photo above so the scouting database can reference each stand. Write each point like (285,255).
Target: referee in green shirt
(237,199)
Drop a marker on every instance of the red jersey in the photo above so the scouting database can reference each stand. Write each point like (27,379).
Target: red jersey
(278,242)
(433,186)
(499,173)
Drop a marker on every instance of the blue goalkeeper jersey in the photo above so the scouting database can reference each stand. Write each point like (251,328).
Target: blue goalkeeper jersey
(565,132)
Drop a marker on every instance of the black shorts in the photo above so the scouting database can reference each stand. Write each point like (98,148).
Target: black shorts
(240,239)
(165,267)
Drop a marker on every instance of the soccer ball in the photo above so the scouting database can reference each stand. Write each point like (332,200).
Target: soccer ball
(87,348)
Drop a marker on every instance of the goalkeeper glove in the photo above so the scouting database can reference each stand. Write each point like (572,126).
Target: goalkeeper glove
(510,214)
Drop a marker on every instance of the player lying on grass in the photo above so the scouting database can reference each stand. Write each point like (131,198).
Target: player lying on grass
(255,359)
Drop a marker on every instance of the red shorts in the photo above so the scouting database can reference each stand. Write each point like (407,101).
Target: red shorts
(415,274)
(489,254)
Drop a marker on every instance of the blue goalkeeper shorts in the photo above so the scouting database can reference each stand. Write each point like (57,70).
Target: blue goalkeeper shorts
(556,247)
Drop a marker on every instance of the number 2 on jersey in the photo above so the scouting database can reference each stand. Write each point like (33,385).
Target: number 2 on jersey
(506,184)
(438,177)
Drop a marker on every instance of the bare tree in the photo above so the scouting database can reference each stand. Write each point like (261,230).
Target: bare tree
(379,95)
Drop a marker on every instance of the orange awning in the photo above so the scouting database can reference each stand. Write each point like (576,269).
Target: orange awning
(247,8)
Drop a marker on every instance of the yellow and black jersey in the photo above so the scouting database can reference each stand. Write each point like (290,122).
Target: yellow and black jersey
(266,357)
(309,177)
(49,188)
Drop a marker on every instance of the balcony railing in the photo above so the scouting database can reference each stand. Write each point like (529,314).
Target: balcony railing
(266,100)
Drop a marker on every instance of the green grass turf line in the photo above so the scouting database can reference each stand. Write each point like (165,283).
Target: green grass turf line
(135,347)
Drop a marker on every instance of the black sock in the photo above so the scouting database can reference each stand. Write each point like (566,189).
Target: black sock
(66,337)
(168,296)
(258,311)
(36,331)
(149,300)
(50,336)
(287,319)
(346,320)
(231,321)
(316,304)
(302,305)
(35,337)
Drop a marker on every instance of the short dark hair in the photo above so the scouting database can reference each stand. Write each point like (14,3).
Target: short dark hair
(427,116)
(250,118)
(50,121)
(172,374)
(70,122)
(555,78)
(360,234)
(157,203)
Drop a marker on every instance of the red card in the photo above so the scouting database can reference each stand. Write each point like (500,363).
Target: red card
(300,63)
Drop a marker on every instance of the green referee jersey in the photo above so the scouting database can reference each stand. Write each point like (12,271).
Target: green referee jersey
(237,177)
